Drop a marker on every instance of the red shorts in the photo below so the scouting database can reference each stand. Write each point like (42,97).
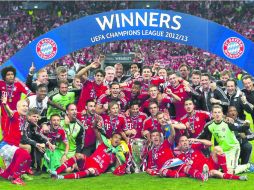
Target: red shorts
(86,163)
(212,164)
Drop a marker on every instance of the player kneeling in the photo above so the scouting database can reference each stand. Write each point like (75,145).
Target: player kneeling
(106,155)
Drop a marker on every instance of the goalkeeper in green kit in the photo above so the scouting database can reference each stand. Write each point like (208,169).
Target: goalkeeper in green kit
(222,130)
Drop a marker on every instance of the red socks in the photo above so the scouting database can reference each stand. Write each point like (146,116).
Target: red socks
(66,165)
(77,175)
(195,174)
(230,176)
(172,173)
(222,162)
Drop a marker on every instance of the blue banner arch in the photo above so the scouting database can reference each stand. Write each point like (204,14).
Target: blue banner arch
(135,24)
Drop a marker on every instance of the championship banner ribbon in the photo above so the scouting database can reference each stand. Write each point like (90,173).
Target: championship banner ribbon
(134,24)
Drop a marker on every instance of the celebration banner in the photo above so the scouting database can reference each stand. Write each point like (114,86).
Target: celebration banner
(135,24)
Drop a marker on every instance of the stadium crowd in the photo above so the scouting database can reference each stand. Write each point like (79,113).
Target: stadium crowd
(19,27)
(175,114)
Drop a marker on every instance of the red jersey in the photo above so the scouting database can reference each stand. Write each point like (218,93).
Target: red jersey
(152,124)
(193,156)
(136,122)
(12,128)
(112,125)
(90,90)
(14,92)
(156,81)
(57,135)
(196,122)
(129,96)
(157,156)
(88,121)
(103,99)
(100,159)
(179,105)
(163,104)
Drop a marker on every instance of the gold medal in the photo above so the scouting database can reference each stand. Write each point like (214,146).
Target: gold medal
(10,99)
(193,131)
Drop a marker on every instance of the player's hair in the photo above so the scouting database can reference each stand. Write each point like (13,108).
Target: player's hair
(33,111)
(90,100)
(55,115)
(171,72)
(116,133)
(159,113)
(134,102)
(138,83)
(112,103)
(225,72)
(68,105)
(114,83)
(217,106)
(232,80)
(154,131)
(42,71)
(184,65)
(120,64)
(61,69)
(152,86)
(41,86)
(135,64)
(62,82)
(247,77)
(232,107)
(146,67)
(196,72)
(206,75)
(99,71)
(153,102)
(188,99)
(162,68)
(76,77)
(5,70)
(181,137)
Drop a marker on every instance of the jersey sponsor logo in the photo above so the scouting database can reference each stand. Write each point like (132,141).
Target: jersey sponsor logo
(233,47)
(46,48)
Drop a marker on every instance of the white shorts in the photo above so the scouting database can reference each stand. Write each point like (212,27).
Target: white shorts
(232,156)
(7,152)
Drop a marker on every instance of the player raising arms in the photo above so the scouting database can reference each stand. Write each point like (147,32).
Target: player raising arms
(17,160)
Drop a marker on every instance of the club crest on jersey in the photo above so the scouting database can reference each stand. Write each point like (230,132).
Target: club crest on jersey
(233,47)
(46,48)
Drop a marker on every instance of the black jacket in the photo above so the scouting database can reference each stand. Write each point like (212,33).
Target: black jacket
(204,98)
(31,136)
(235,100)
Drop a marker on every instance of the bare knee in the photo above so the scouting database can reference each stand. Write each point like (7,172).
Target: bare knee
(79,156)
(26,147)
(216,173)
(218,150)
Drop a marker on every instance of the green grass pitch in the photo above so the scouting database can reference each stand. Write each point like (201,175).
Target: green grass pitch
(129,182)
